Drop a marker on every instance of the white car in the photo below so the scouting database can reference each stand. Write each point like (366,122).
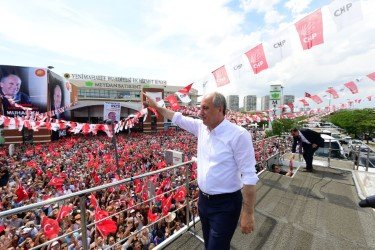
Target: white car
(353,143)
(337,150)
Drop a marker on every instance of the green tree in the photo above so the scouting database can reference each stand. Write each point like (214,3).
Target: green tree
(355,122)
(280,126)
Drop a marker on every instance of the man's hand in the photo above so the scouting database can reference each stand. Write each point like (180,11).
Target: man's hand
(149,101)
(247,222)
(314,145)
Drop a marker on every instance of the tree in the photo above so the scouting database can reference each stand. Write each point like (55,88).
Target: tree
(355,122)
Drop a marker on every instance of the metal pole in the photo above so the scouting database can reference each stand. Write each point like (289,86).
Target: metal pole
(367,159)
(82,205)
(115,146)
(187,196)
(329,153)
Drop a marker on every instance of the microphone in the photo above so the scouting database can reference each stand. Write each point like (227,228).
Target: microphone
(368,202)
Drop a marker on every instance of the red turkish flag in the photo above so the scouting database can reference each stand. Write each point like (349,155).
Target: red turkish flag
(257,59)
(166,204)
(316,99)
(50,227)
(352,87)
(63,212)
(56,182)
(21,193)
(304,102)
(93,200)
(166,183)
(221,76)
(106,226)
(333,92)
(180,194)
(173,102)
(371,76)
(186,89)
(310,30)
(151,216)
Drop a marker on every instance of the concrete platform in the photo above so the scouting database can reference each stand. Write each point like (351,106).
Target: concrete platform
(309,211)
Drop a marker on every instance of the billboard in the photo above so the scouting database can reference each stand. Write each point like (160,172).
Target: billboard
(59,90)
(275,101)
(22,86)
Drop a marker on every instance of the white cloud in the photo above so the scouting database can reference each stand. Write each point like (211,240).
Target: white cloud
(259,6)
(297,6)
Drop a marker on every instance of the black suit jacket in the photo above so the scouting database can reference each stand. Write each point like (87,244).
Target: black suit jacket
(310,135)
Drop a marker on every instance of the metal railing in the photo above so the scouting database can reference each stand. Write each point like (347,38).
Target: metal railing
(82,195)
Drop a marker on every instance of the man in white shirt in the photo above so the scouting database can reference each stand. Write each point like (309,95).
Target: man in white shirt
(226,164)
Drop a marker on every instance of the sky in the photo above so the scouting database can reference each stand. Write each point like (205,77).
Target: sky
(184,41)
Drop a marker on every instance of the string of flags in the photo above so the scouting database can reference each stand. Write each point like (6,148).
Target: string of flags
(310,30)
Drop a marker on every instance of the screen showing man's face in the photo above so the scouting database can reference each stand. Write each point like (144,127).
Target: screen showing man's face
(10,86)
(57,97)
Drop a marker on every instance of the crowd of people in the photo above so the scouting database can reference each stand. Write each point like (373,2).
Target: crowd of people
(34,173)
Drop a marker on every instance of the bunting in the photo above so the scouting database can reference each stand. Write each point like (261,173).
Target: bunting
(257,59)
(221,76)
(310,30)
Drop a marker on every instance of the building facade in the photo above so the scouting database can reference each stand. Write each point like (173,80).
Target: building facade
(233,102)
(288,99)
(91,91)
(250,103)
(265,102)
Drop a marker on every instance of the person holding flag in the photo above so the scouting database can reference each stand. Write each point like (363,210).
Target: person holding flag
(226,164)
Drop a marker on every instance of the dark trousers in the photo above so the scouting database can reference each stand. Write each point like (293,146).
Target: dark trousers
(308,154)
(219,218)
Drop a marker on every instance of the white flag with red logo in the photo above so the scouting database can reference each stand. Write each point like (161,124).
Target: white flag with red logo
(221,76)
(157,97)
(345,12)
(310,30)
(257,59)
(183,97)
(278,48)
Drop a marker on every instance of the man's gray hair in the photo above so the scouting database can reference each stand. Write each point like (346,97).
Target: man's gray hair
(219,101)
(11,75)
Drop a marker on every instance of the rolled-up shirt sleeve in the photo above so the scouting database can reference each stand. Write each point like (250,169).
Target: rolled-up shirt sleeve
(245,158)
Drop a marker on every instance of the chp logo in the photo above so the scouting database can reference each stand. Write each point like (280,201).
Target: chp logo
(40,72)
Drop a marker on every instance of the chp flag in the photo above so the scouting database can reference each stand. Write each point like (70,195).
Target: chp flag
(112,111)
(345,12)
(278,48)
(310,30)
(221,76)
(257,59)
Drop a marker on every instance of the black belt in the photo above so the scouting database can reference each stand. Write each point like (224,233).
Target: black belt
(218,196)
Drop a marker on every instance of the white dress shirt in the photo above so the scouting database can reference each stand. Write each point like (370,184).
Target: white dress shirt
(226,158)
(303,138)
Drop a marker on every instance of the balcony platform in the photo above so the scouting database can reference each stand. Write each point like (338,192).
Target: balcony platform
(309,211)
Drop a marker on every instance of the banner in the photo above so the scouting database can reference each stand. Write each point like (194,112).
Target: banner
(112,111)
(310,30)
(278,48)
(59,90)
(257,59)
(352,87)
(221,76)
(345,12)
(22,88)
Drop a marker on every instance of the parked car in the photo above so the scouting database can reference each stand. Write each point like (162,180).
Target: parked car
(336,149)
(353,143)
(345,139)
(359,154)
